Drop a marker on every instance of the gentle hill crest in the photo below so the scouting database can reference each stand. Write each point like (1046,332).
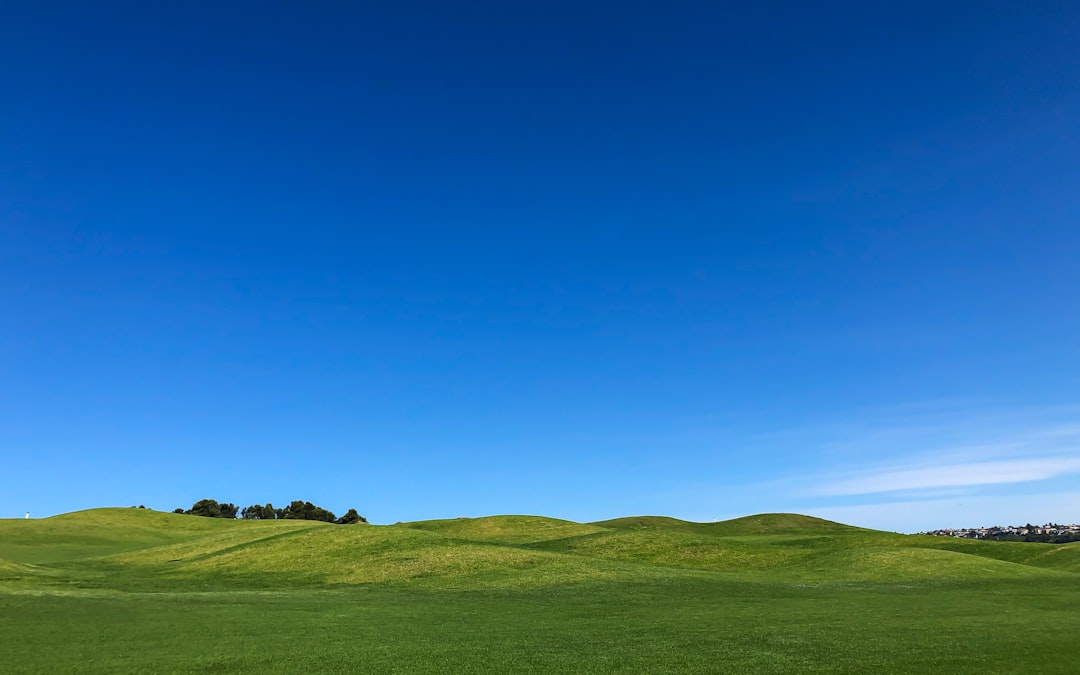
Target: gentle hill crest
(762,523)
(505,529)
(499,551)
(108,531)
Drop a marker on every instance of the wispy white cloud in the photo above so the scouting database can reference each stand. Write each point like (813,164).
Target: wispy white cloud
(907,466)
(920,515)
(922,448)
(951,475)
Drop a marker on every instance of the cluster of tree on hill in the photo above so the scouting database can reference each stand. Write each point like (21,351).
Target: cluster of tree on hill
(297,510)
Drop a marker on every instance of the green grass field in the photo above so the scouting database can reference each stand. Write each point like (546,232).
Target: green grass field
(130,590)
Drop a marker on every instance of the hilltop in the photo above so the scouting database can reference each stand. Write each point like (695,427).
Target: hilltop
(764,523)
(496,550)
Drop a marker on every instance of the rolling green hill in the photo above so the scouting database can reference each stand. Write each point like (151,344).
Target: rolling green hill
(133,590)
(1065,557)
(97,532)
(335,555)
(505,529)
(511,550)
(765,523)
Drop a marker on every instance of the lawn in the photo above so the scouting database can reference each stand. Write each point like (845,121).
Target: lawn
(133,591)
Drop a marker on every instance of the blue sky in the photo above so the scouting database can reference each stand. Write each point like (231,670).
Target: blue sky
(583,260)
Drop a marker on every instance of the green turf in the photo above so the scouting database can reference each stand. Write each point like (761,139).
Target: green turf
(130,590)
(764,523)
(506,529)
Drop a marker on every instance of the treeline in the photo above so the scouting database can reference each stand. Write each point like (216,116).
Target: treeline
(297,510)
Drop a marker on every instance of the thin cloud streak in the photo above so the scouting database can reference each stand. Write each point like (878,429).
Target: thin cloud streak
(985,455)
(952,475)
(878,454)
(931,514)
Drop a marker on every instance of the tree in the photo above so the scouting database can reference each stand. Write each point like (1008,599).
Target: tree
(210,508)
(256,512)
(351,517)
(299,510)
(296,510)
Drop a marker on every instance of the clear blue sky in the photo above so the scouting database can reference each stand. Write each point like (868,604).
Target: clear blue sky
(576,259)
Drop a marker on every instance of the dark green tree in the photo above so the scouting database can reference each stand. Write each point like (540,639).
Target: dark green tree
(296,510)
(351,517)
(299,510)
(210,508)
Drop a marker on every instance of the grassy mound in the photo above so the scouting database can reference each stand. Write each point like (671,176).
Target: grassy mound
(674,547)
(336,555)
(498,551)
(845,557)
(1065,557)
(100,532)
(505,529)
(901,564)
(761,524)
(783,523)
(119,590)
(656,524)
(1008,551)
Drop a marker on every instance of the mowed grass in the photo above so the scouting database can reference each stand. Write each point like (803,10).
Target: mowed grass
(121,590)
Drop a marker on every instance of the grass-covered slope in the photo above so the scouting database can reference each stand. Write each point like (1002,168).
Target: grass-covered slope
(896,563)
(505,529)
(122,590)
(10,570)
(505,551)
(793,547)
(783,523)
(359,555)
(97,532)
(674,547)
(765,523)
(1065,557)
